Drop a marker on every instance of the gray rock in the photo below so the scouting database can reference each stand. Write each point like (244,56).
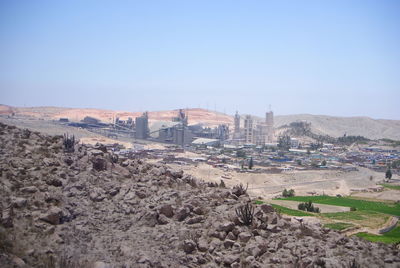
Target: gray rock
(52,216)
(182,213)
(244,237)
(166,210)
(226,226)
(29,189)
(228,243)
(19,202)
(100,264)
(202,245)
(54,182)
(195,220)
(267,208)
(162,219)
(7,217)
(189,246)
(230,258)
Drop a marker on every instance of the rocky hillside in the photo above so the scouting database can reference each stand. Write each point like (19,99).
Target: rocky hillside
(88,208)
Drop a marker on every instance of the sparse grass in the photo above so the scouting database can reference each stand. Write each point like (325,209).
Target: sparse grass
(291,212)
(338,225)
(370,219)
(389,238)
(258,202)
(392,187)
(392,209)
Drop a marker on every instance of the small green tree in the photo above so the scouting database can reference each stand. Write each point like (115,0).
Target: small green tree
(284,142)
(388,174)
(240,153)
(251,164)
(291,192)
(285,193)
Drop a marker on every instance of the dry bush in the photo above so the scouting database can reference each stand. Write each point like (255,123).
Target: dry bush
(239,190)
(245,214)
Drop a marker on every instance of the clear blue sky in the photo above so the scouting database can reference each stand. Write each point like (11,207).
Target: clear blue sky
(319,57)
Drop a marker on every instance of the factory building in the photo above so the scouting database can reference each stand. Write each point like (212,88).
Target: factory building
(269,121)
(142,126)
(236,130)
(248,130)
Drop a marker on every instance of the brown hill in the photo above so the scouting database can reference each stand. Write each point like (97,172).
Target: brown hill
(196,115)
(320,124)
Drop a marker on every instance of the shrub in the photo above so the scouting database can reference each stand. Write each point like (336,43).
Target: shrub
(69,143)
(353,209)
(239,190)
(288,193)
(245,214)
(308,206)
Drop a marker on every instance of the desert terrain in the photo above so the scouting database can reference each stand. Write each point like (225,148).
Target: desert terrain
(320,124)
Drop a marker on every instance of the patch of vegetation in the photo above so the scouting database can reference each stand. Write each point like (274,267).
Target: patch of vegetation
(365,218)
(308,206)
(241,153)
(291,212)
(245,213)
(288,193)
(392,209)
(391,142)
(348,140)
(389,238)
(338,225)
(258,202)
(389,186)
(239,189)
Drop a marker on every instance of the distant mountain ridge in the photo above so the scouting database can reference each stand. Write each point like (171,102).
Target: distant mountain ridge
(321,124)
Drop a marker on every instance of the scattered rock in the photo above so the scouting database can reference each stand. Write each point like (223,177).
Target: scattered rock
(29,189)
(52,216)
(189,246)
(195,220)
(244,237)
(182,213)
(166,210)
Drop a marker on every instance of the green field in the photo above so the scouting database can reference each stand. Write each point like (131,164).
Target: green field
(387,208)
(338,225)
(390,186)
(291,212)
(390,237)
(285,210)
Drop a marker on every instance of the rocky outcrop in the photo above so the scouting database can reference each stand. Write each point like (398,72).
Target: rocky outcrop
(74,208)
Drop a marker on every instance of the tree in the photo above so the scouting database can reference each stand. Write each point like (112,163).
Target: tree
(388,174)
(323,163)
(284,142)
(240,153)
(251,164)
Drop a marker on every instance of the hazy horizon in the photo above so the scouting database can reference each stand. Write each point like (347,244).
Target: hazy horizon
(338,58)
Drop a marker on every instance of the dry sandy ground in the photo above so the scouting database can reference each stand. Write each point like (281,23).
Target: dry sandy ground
(392,195)
(266,186)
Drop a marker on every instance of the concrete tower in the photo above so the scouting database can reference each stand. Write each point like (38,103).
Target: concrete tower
(248,129)
(269,121)
(236,131)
